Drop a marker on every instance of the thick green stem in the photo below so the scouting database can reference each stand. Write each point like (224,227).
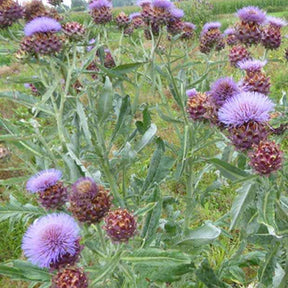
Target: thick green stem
(99,230)
(189,195)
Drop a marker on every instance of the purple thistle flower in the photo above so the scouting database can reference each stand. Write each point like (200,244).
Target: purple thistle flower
(143,2)
(278,22)
(251,14)
(176,13)
(90,47)
(251,65)
(134,15)
(42,25)
(98,4)
(223,89)
(229,31)
(43,180)
(191,92)
(164,4)
(49,238)
(245,107)
(210,25)
(190,25)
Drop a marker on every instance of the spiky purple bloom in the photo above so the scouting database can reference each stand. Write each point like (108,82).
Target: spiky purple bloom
(43,180)
(98,4)
(245,107)
(49,238)
(42,25)
(135,15)
(229,31)
(191,92)
(190,25)
(277,22)
(143,2)
(176,13)
(210,25)
(164,4)
(223,89)
(251,14)
(251,65)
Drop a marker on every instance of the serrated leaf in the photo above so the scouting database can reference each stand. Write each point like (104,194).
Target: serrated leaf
(267,270)
(246,194)
(157,257)
(27,100)
(105,102)
(229,171)
(151,222)
(32,272)
(206,274)
(146,138)
(266,210)
(125,110)
(154,164)
(126,68)
(16,211)
(200,236)
(83,122)
(144,210)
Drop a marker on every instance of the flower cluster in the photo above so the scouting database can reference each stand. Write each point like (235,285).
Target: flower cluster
(159,13)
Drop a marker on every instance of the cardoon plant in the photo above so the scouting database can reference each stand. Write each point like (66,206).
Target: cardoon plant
(223,89)
(51,191)
(143,213)
(246,116)
(40,36)
(52,241)
(211,37)
(266,157)
(71,277)
(271,33)
(101,11)
(249,30)
(255,80)
(89,202)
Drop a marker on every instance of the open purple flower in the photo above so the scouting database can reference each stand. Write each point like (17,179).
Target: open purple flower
(251,65)
(229,31)
(43,180)
(98,4)
(191,92)
(223,89)
(245,107)
(251,14)
(135,15)
(164,4)
(51,191)
(210,25)
(176,13)
(42,25)
(50,238)
(277,22)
